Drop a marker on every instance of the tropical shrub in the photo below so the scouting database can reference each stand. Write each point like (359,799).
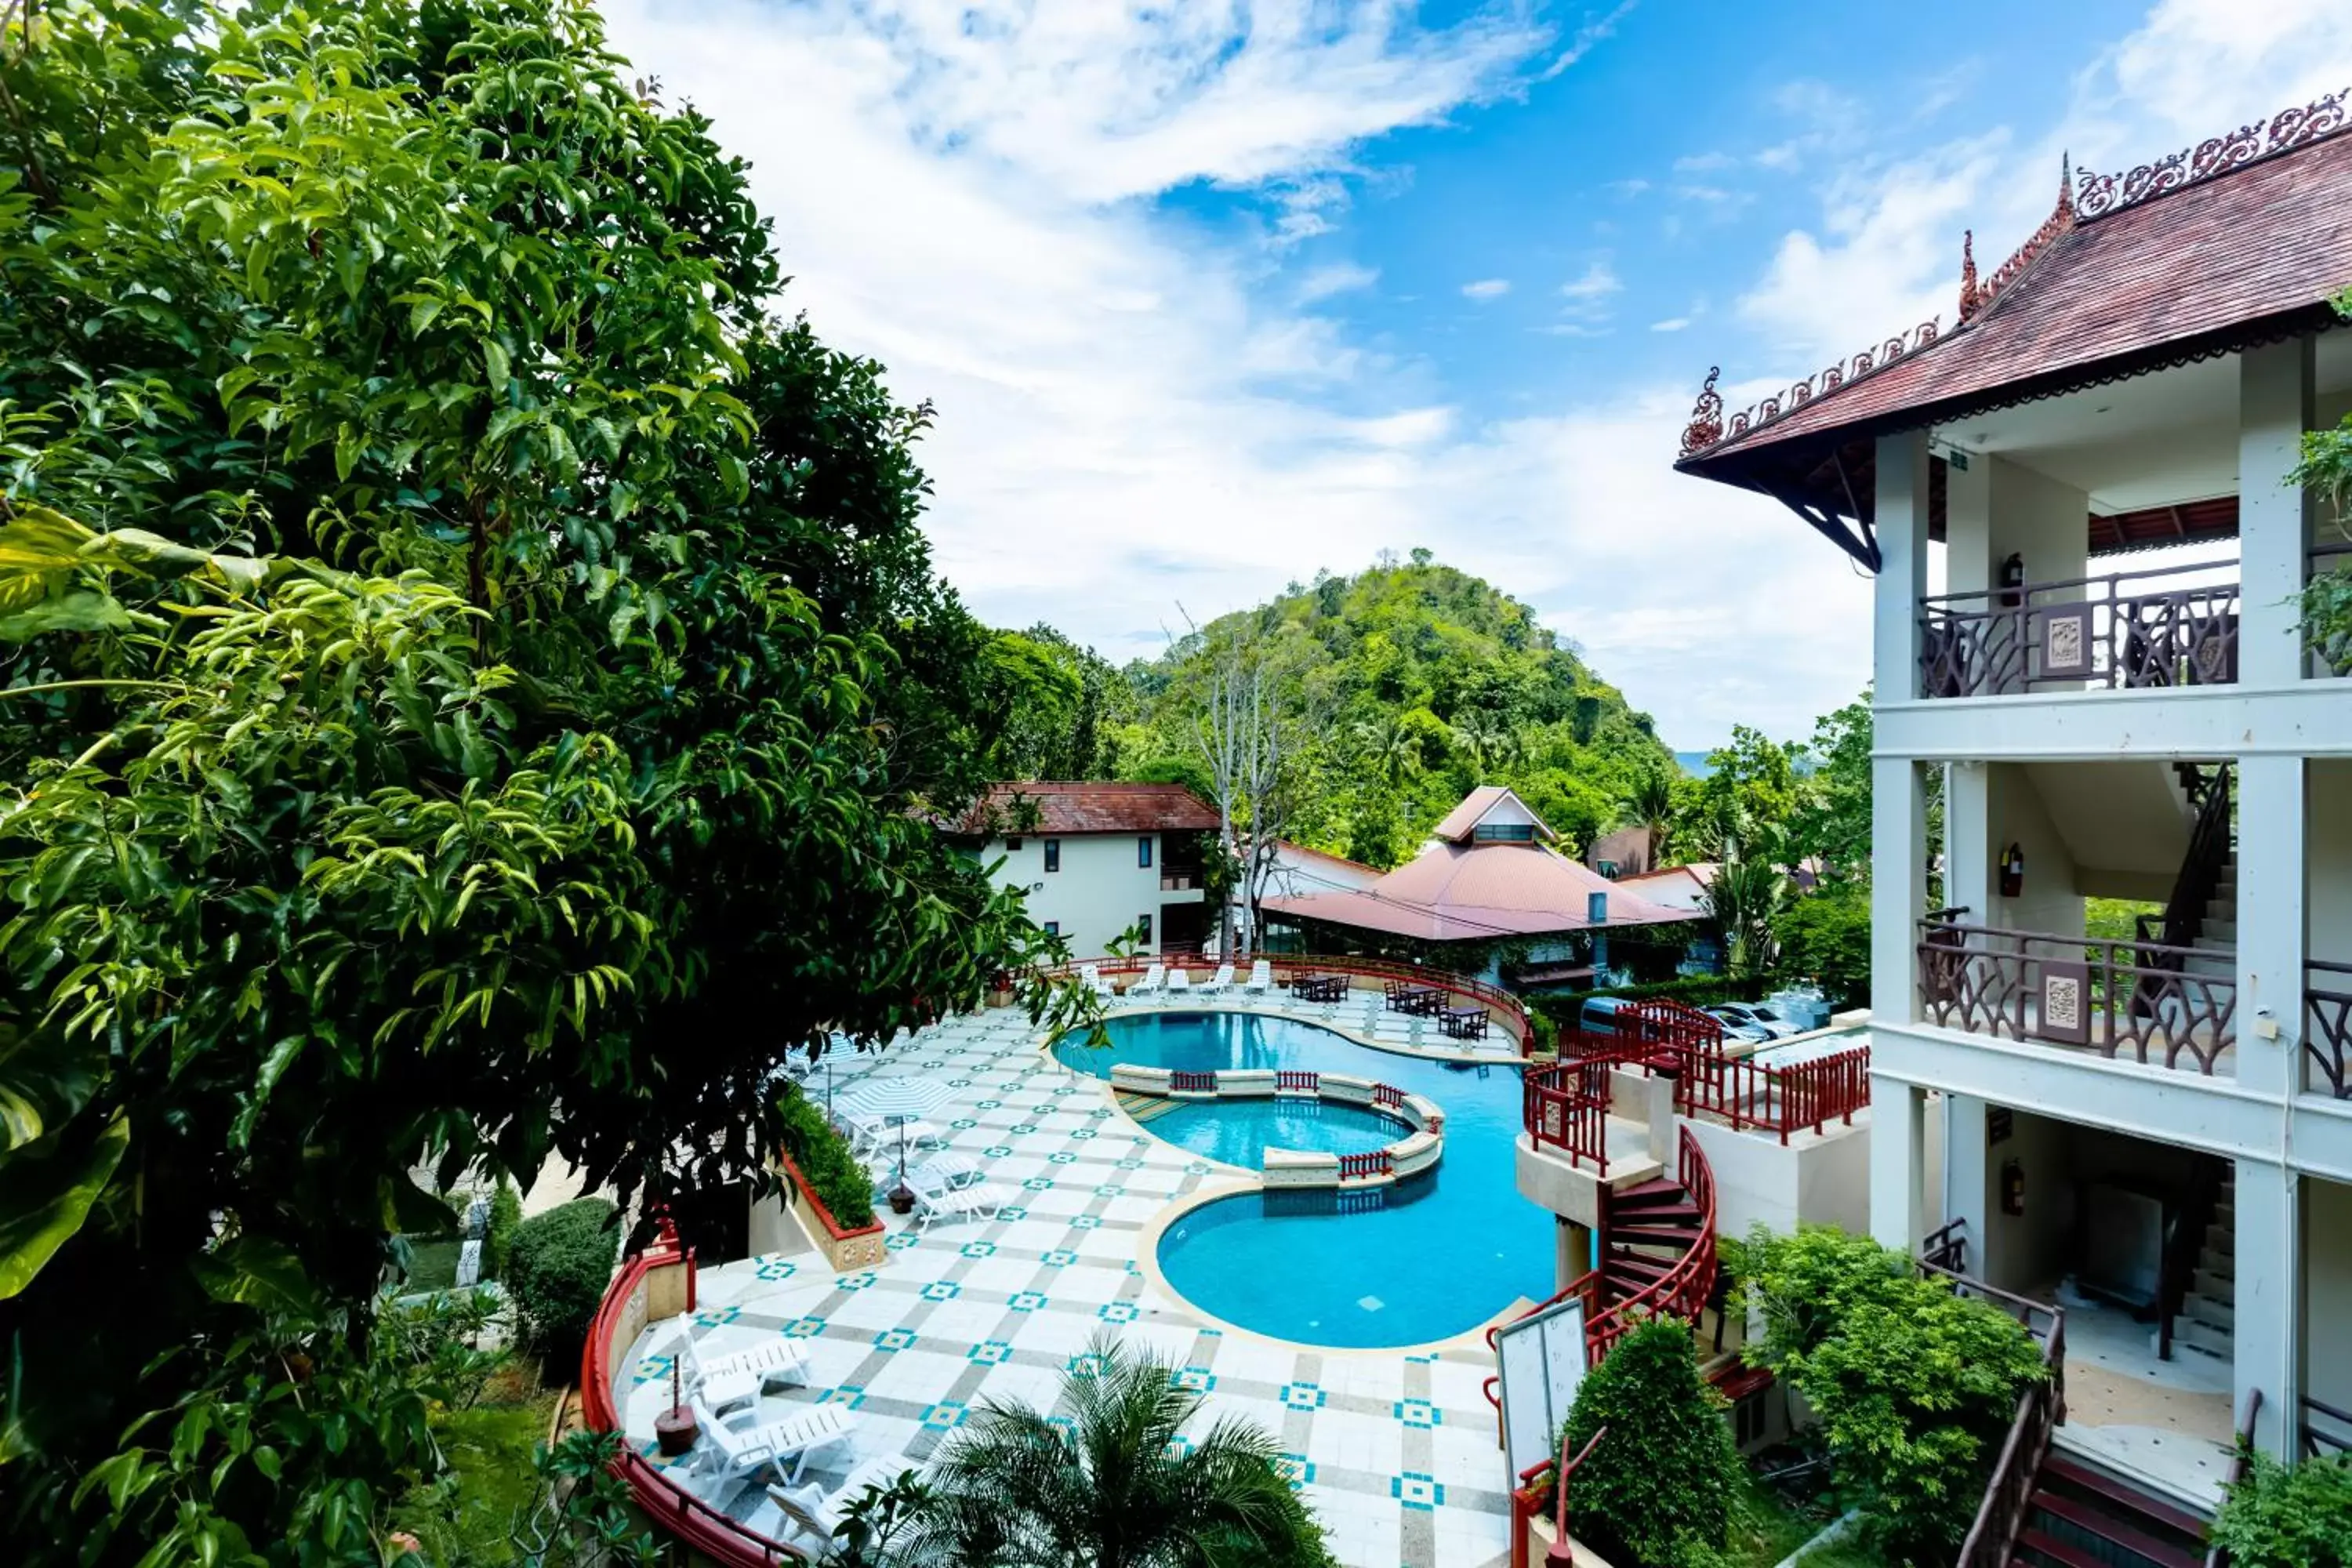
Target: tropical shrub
(2279,1517)
(835,1175)
(1914,1385)
(498,1236)
(2326,603)
(1112,1486)
(556,1274)
(1658,1489)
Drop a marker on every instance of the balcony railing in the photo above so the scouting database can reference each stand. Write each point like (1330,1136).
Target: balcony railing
(2328,1026)
(2143,999)
(2128,629)
(1566,1107)
(1180,878)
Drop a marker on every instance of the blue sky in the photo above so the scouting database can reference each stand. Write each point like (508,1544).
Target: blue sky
(1210,295)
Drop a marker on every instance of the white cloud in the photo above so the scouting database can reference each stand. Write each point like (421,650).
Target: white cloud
(1596,281)
(1340,278)
(1671,325)
(1487,288)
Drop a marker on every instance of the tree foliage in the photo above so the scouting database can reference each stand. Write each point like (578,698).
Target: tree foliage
(557,1269)
(2281,1517)
(452,630)
(1117,1484)
(1913,1384)
(1824,937)
(1658,1488)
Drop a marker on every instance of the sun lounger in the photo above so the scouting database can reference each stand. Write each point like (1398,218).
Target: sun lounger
(1154,981)
(741,1376)
(1178,980)
(812,1514)
(1219,983)
(1261,980)
(936,1201)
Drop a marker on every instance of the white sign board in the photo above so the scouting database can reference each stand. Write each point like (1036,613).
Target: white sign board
(1539,1361)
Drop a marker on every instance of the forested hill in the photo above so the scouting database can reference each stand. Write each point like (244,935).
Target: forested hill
(1417,682)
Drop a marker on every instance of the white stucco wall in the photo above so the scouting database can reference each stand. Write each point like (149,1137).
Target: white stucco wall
(1096,894)
(2328,848)
(2327,1288)
(1810,1180)
(2016,815)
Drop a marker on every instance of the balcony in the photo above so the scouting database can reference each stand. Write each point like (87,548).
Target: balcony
(2151,1003)
(2327,1028)
(2166,626)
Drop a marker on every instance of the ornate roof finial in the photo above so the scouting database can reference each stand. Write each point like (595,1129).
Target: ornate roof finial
(2066,183)
(1706,426)
(1968,273)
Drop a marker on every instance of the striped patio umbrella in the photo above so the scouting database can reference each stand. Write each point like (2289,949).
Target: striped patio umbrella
(895,1098)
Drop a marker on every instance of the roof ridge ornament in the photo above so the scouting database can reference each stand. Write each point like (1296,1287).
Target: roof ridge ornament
(2290,127)
(1974,300)
(1707,427)
(1968,300)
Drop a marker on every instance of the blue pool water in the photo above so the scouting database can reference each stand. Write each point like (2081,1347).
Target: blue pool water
(1439,1255)
(1237,1132)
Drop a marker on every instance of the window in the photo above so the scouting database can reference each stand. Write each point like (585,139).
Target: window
(1053,928)
(1053,853)
(1143,929)
(1504,833)
(1012,845)
(1143,852)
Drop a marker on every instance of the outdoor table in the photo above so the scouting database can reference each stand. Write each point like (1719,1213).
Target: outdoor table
(1320,987)
(1465,1022)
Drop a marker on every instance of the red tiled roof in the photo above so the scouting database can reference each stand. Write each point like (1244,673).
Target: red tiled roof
(1457,824)
(1079,808)
(1455,892)
(2217,264)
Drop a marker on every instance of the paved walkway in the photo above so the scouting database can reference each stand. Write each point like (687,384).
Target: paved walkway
(1396,1453)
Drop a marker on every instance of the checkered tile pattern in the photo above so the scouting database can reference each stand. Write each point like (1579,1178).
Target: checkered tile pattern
(1396,1453)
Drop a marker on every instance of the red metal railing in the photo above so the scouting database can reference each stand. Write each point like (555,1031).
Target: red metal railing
(1528,1500)
(672,1509)
(1560,1108)
(1357,1167)
(1288,1080)
(1744,1093)
(1504,1009)
(1683,1290)
(2009,1492)
(1386,1095)
(1192,1082)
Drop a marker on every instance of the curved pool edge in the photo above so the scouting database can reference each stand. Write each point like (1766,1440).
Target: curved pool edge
(1470,1341)
(1046,1041)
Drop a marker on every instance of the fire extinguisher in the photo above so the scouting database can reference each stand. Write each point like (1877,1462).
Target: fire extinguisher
(2012,577)
(2013,1187)
(2012,871)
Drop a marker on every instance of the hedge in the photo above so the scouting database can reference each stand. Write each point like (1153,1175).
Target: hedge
(841,1183)
(556,1271)
(1657,1488)
(498,1236)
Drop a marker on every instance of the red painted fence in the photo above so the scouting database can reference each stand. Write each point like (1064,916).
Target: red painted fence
(1289,1081)
(1355,1167)
(1501,1005)
(1559,1108)
(1745,1093)
(1191,1083)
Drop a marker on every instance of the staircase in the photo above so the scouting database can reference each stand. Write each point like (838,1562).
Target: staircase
(2216,939)
(1645,1230)
(2208,1319)
(2201,917)
(2082,1516)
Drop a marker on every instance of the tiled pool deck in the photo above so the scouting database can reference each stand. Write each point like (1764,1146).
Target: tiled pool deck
(1396,1452)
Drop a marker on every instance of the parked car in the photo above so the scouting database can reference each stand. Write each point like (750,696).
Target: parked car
(1758,1014)
(1737,1027)
(1598,1014)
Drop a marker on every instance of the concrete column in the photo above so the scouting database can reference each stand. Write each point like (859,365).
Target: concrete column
(2269,1303)
(1901,525)
(2271,867)
(1897,1141)
(1576,1260)
(2274,408)
(1969,878)
(1966,1187)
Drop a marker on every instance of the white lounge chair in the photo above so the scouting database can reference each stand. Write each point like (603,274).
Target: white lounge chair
(1219,983)
(945,1169)
(1092,979)
(936,1201)
(741,1444)
(879,1134)
(1154,981)
(1261,980)
(741,1376)
(1179,980)
(812,1514)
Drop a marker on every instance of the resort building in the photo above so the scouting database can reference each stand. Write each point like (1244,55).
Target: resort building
(1489,896)
(1097,861)
(2109,1040)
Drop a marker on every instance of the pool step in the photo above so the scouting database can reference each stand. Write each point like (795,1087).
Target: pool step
(1143,1106)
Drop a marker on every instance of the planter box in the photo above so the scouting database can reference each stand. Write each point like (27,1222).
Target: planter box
(847,1249)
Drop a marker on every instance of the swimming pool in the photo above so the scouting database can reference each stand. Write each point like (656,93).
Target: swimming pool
(1427,1258)
(1237,1132)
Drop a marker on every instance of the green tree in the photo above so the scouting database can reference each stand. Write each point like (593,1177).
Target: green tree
(448,625)
(1913,1384)
(1118,1485)
(1658,1488)
(2281,1517)
(1825,936)
(1651,804)
(1752,784)
(1831,822)
(1745,899)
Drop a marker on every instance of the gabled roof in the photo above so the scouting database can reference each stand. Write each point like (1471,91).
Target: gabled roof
(1477,807)
(2237,243)
(1064,809)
